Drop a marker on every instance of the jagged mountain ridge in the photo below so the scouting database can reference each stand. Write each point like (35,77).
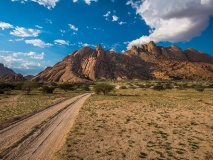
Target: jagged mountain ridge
(89,64)
(4,70)
(12,78)
(150,51)
(144,62)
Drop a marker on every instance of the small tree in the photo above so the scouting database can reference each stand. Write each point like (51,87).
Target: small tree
(199,88)
(47,89)
(66,86)
(1,91)
(158,87)
(104,88)
(27,87)
(123,87)
(84,87)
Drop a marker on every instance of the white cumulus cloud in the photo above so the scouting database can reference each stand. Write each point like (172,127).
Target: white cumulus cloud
(107,14)
(115,18)
(121,22)
(172,21)
(4,25)
(61,42)
(73,27)
(86,1)
(35,55)
(46,3)
(38,43)
(23,32)
(23,60)
(30,54)
(89,1)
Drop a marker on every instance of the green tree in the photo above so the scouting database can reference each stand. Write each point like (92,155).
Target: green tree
(47,89)
(28,86)
(199,88)
(158,87)
(104,88)
(66,86)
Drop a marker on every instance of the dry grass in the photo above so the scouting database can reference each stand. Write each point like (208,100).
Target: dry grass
(17,103)
(144,124)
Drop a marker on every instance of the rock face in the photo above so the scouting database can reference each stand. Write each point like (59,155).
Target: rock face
(4,70)
(93,64)
(8,75)
(12,78)
(144,62)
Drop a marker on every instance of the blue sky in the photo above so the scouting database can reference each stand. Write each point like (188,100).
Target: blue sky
(35,34)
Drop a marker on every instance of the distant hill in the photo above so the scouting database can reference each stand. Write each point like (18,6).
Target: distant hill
(144,62)
(8,75)
(4,70)
(12,78)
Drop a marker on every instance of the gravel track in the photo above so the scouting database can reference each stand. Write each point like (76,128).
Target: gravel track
(41,135)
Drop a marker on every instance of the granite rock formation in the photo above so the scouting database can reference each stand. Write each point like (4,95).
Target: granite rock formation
(147,61)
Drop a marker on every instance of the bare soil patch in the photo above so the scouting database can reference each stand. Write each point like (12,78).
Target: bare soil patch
(143,124)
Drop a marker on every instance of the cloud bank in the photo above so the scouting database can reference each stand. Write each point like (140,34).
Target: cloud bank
(172,21)
(46,3)
(38,43)
(86,1)
(23,60)
(4,25)
(72,27)
(61,42)
(23,32)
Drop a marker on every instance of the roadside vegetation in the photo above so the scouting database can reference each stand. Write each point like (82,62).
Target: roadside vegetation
(18,100)
(145,120)
(103,88)
(124,120)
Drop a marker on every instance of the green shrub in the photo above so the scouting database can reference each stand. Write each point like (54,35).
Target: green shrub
(142,86)
(1,91)
(7,86)
(47,89)
(158,87)
(199,88)
(104,88)
(28,86)
(85,87)
(66,86)
(123,87)
(210,86)
(167,86)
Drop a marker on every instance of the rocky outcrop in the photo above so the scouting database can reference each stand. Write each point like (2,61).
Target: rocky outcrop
(12,78)
(195,56)
(4,70)
(151,53)
(28,77)
(144,62)
(94,64)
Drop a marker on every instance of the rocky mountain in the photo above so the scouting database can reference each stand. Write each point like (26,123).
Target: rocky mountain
(8,75)
(12,78)
(144,62)
(4,70)
(28,77)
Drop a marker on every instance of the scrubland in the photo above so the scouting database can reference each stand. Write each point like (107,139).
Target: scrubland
(141,123)
(17,104)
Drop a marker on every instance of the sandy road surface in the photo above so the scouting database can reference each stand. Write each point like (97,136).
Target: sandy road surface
(20,141)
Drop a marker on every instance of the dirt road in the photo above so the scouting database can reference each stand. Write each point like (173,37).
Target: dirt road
(41,135)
